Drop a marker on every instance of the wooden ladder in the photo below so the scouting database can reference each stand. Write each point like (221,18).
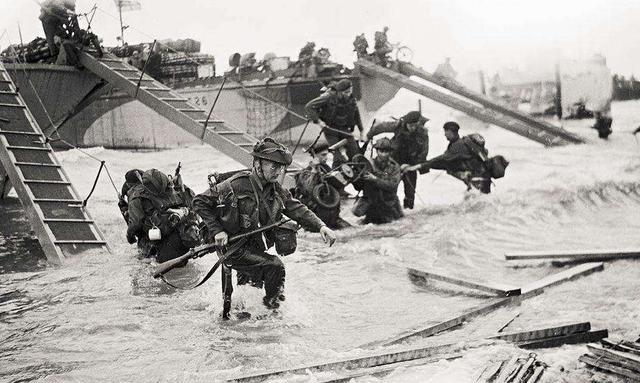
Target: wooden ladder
(488,113)
(166,102)
(61,223)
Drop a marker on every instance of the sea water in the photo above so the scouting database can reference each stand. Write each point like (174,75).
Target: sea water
(104,318)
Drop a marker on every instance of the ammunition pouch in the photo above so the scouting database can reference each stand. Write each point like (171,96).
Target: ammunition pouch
(285,238)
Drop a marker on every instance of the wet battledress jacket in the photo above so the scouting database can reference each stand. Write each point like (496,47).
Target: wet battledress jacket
(241,204)
(408,147)
(381,194)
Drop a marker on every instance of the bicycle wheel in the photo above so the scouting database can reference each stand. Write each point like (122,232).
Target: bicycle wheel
(404,54)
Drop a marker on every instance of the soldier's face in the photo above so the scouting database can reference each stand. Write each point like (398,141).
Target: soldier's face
(450,134)
(272,171)
(322,156)
(413,126)
(346,93)
(383,154)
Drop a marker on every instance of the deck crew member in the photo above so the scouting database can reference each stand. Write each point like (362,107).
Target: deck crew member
(160,218)
(339,111)
(380,203)
(410,147)
(54,14)
(465,159)
(252,199)
(309,178)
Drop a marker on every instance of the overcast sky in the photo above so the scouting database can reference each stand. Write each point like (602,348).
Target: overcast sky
(477,34)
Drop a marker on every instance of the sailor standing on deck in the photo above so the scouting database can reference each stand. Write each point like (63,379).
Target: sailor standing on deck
(410,147)
(54,14)
(252,199)
(339,111)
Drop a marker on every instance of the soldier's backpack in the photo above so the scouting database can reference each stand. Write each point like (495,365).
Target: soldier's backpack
(496,165)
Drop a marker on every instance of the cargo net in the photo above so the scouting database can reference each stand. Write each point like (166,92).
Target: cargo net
(266,119)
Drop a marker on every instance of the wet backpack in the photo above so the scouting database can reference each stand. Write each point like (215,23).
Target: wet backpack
(496,165)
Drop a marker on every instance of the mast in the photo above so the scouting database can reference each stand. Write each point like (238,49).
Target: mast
(121,25)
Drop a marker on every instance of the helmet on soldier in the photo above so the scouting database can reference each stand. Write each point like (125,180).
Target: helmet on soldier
(269,149)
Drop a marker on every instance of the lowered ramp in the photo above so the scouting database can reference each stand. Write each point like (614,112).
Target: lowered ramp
(169,104)
(56,214)
(488,111)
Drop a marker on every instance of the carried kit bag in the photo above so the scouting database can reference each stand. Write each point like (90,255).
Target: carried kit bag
(496,165)
(285,238)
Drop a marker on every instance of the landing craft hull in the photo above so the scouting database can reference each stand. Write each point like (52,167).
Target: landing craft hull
(115,120)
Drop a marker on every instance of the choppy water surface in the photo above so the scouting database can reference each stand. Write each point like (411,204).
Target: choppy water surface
(106,319)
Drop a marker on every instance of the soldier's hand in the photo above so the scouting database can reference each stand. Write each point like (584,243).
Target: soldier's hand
(131,238)
(369,177)
(328,236)
(410,168)
(222,238)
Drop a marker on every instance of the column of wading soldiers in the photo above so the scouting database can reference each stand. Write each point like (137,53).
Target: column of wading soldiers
(165,219)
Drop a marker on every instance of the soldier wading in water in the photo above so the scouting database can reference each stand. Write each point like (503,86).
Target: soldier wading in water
(252,199)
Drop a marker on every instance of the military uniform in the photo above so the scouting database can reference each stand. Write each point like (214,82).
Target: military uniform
(148,205)
(464,160)
(241,204)
(380,203)
(409,147)
(339,114)
(54,14)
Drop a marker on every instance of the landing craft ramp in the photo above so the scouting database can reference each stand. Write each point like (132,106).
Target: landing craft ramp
(169,104)
(487,110)
(56,214)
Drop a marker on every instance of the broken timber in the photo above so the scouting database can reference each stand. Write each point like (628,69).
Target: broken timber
(360,362)
(346,377)
(583,337)
(523,336)
(607,365)
(576,255)
(536,132)
(527,291)
(52,205)
(493,288)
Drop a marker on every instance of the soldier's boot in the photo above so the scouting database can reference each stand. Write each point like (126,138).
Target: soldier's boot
(271,302)
(408,203)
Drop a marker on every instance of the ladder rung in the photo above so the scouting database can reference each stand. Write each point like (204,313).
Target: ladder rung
(136,79)
(80,242)
(9,93)
(125,69)
(192,110)
(70,201)
(6,82)
(20,133)
(157,89)
(71,220)
(108,60)
(247,144)
(174,99)
(47,182)
(28,148)
(12,105)
(211,121)
(229,132)
(37,164)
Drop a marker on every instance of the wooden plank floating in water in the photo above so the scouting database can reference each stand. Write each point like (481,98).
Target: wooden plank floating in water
(576,255)
(606,365)
(523,336)
(346,377)
(493,288)
(622,358)
(583,337)
(622,345)
(562,276)
(360,362)
(492,304)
